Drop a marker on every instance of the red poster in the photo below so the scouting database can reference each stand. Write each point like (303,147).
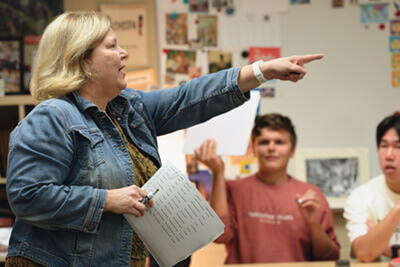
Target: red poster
(263,53)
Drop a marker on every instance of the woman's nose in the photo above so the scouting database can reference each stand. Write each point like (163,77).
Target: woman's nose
(123,53)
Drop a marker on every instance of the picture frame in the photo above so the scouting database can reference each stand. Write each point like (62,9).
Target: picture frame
(12,64)
(336,171)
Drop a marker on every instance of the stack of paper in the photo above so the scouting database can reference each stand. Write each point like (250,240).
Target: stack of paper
(181,220)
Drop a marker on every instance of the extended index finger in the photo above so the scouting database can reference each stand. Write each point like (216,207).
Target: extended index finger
(309,58)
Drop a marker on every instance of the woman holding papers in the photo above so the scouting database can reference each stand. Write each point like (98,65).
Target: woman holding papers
(78,160)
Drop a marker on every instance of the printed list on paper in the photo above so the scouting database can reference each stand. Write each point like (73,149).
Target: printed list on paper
(181,220)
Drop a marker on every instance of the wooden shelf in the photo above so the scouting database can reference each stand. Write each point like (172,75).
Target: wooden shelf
(13,109)
(16,100)
(19,101)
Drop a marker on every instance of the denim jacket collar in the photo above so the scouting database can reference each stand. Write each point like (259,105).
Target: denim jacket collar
(119,103)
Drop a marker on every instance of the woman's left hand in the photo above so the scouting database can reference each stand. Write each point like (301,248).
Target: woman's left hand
(126,201)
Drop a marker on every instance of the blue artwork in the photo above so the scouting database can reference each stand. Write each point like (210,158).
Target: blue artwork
(202,179)
(294,2)
(394,44)
(374,13)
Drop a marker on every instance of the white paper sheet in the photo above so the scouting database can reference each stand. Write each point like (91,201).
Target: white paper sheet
(170,147)
(250,29)
(231,130)
(181,220)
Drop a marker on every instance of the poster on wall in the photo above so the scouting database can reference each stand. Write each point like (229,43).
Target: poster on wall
(27,17)
(177,29)
(130,24)
(11,62)
(218,60)
(263,53)
(198,6)
(207,30)
(374,13)
(179,61)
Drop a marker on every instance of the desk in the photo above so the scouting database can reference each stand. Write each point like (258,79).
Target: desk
(308,264)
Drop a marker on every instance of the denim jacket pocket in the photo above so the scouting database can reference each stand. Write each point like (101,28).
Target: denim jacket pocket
(89,144)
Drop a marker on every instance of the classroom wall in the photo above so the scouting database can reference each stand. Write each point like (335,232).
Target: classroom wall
(344,96)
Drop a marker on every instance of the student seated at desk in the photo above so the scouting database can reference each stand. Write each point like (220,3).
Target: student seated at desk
(270,216)
(372,210)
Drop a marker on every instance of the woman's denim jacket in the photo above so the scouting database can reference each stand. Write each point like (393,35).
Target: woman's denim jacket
(66,153)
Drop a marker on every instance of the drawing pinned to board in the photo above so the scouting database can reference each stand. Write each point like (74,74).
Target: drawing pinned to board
(218,61)
(396,78)
(395,27)
(169,80)
(178,61)
(219,3)
(196,44)
(396,61)
(207,30)
(295,2)
(374,13)
(202,180)
(394,44)
(198,6)
(337,3)
(194,72)
(267,91)
(177,30)
(11,64)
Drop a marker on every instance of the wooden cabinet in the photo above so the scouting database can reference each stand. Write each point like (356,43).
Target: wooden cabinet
(13,108)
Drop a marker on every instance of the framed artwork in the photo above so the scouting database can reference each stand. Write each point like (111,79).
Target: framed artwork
(11,64)
(336,171)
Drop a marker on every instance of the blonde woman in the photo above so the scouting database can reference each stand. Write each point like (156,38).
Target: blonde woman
(78,160)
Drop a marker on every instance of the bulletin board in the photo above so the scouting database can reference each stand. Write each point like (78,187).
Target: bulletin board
(202,37)
(342,98)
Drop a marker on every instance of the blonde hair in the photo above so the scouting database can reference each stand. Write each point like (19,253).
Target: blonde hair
(61,65)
